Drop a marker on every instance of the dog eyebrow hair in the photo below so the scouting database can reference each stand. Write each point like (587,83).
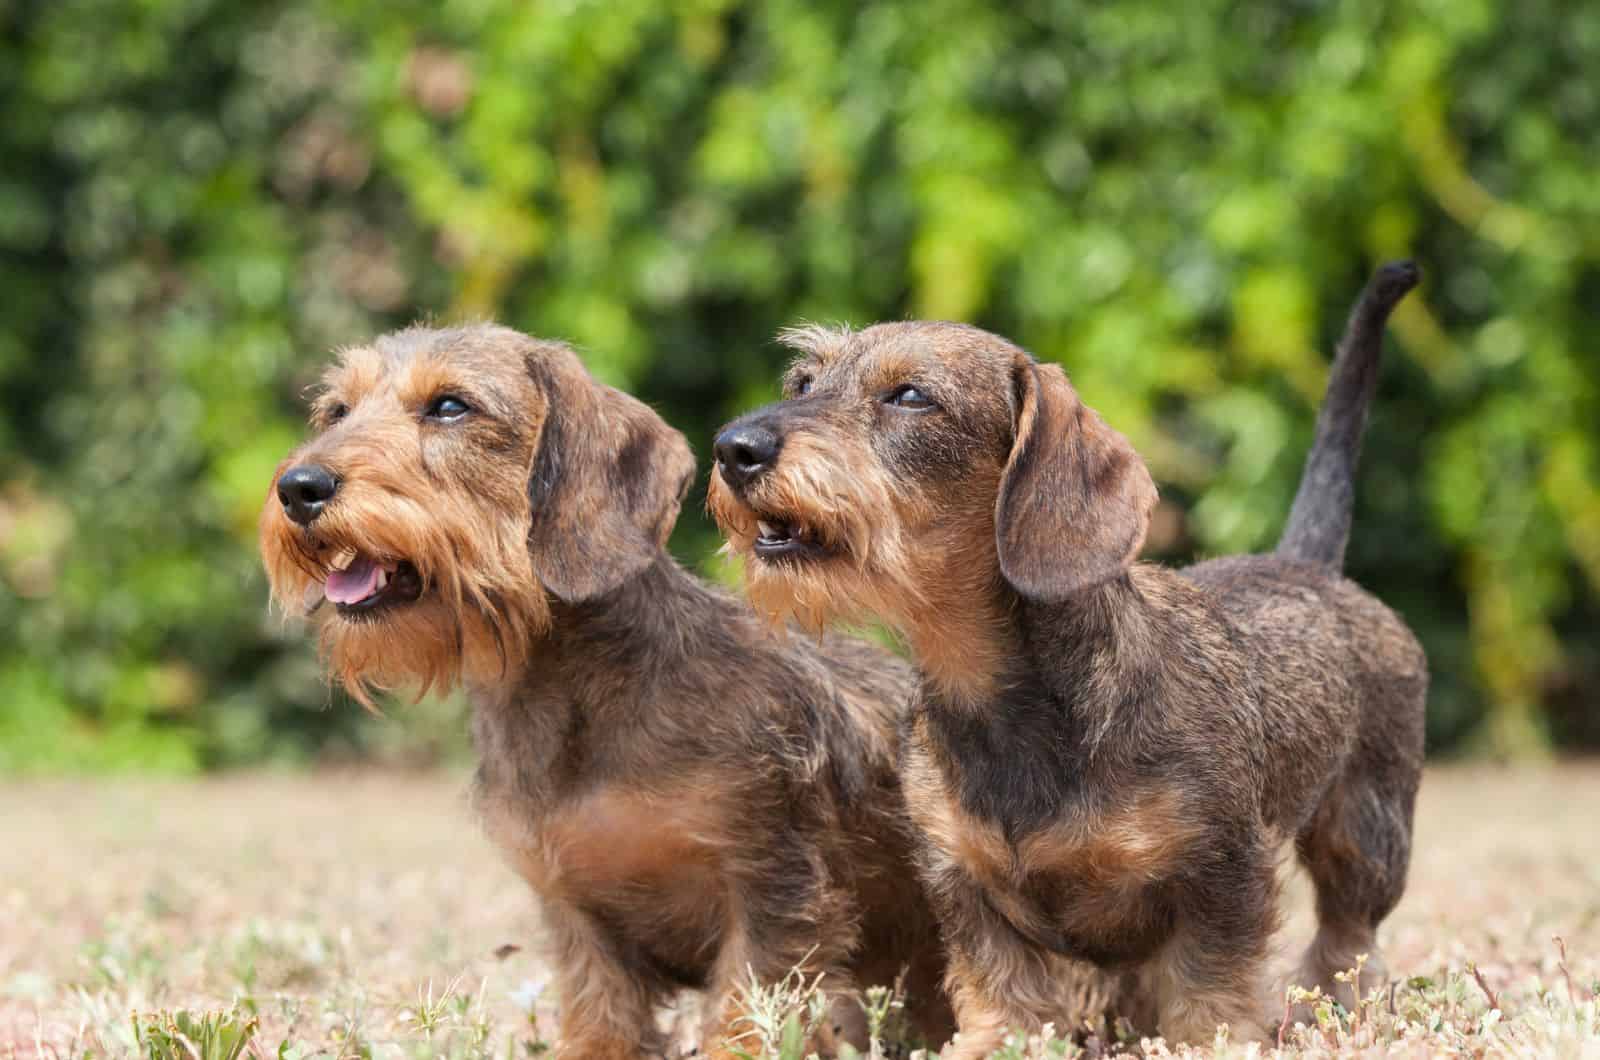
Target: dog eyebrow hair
(898,367)
(818,340)
(801,362)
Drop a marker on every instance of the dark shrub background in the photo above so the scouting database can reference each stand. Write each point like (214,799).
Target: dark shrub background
(200,199)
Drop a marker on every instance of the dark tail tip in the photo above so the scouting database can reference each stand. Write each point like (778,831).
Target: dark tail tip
(1391,283)
(1319,522)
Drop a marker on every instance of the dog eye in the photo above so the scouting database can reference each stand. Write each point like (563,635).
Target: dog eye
(909,397)
(447,407)
(338,412)
(802,386)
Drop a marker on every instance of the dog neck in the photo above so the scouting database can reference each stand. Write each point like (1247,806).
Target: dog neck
(1086,652)
(596,669)
(1070,701)
(960,623)
(1098,650)
(963,642)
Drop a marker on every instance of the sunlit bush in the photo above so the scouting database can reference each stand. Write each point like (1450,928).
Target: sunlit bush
(200,199)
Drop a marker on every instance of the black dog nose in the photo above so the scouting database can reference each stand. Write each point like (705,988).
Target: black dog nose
(304,490)
(743,452)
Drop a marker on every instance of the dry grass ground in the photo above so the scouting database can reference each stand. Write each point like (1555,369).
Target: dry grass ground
(360,915)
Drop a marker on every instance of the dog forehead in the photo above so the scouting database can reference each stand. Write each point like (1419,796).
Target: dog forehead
(420,358)
(486,350)
(841,358)
(928,351)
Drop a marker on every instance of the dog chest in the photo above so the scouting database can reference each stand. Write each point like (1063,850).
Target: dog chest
(651,866)
(1094,882)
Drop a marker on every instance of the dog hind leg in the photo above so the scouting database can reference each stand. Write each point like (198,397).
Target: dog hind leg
(1357,848)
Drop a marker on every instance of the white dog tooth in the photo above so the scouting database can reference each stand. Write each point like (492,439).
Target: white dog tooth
(767,529)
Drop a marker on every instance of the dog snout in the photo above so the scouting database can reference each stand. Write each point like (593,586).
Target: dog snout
(745,451)
(305,490)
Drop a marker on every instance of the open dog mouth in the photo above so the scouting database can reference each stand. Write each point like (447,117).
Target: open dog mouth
(363,585)
(780,539)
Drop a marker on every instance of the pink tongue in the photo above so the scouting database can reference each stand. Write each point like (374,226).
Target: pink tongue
(353,584)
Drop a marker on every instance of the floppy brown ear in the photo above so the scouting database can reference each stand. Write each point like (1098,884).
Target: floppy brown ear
(1075,499)
(606,486)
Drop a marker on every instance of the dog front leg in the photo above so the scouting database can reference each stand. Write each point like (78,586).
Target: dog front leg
(607,1007)
(1212,972)
(997,980)
(808,929)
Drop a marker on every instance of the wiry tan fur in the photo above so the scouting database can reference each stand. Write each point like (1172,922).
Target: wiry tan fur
(1104,758)
(408,494)
(911,556)
(692,801)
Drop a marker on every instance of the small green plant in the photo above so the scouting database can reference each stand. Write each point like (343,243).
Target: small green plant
(884,1007)
(1352,976)
(430,1015)
(1044,1045)
(183,1036)
(780,1018)
(454,1024)
(887,1031)
(526,997)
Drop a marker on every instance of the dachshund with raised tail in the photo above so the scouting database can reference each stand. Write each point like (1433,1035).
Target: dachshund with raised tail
(1105,757)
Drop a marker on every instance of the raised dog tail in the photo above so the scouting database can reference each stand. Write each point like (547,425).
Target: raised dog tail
(1319,522)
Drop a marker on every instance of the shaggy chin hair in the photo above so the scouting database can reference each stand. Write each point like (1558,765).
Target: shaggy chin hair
(481,603)
(867,569)
(453,501)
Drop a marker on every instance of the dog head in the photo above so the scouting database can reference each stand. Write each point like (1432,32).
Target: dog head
(455,481)
(912,465)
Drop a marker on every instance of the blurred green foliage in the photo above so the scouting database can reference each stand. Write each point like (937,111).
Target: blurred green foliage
(200,198)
